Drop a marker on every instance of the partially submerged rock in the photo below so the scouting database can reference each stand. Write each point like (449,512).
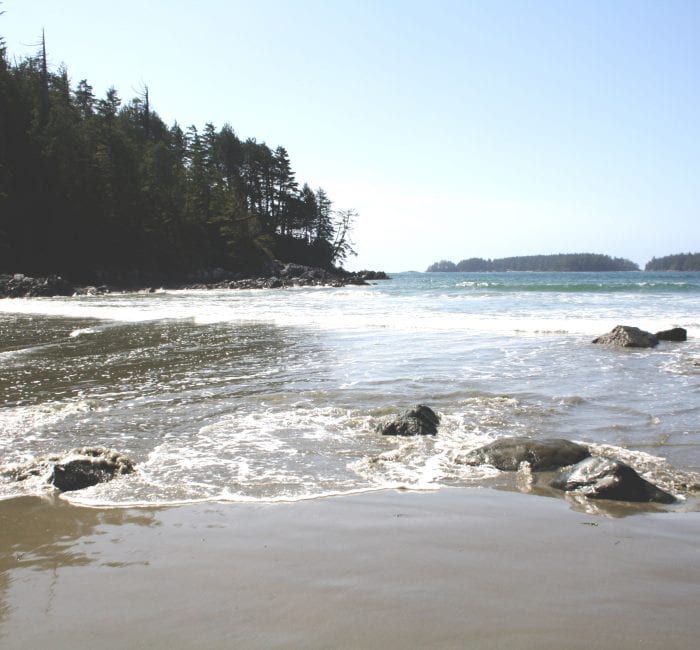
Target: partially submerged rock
(628,337)
(418,421)
(78,469)
(507,453)
(674,334)
(604,478)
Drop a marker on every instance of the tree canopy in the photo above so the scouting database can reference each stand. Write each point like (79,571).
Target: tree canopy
(96,184)
(678,262)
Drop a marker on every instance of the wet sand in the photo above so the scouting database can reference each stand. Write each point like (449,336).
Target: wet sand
(457,568)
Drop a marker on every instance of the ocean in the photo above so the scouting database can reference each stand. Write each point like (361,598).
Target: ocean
(275,395)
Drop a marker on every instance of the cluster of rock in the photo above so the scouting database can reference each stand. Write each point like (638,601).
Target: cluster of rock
(626,336)
(288,275)
(370,275)
(578,471)
(274,276)
(23,286)
(78,469)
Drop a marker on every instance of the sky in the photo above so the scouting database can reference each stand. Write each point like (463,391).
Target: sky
(455,129)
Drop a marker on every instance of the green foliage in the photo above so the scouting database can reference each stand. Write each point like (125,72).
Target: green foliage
(679,262)
(93,184)
(552,263)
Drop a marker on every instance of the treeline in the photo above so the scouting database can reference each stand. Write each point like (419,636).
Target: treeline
(90,184)
(679,262)
(552,263)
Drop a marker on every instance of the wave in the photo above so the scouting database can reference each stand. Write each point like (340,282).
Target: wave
(579,287)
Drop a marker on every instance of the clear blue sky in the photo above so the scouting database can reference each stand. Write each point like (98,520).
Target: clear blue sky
(456,129)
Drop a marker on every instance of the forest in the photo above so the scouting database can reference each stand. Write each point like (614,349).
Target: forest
(590,262)
(97,184)
(679,262)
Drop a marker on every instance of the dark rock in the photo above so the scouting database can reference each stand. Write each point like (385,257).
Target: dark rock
(373,275)
(628,337)
(418,421)
(79,468)
(88,466)
(675,334)
(507,453)
(360,282)
(78,474)
(604,478)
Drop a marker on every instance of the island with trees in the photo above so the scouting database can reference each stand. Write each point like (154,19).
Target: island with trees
(678,262)
(96,187)
(570,262)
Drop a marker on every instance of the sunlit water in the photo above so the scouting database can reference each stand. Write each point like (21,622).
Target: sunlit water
(275,394)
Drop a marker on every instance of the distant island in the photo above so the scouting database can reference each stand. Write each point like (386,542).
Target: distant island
(679,262)
(586,262)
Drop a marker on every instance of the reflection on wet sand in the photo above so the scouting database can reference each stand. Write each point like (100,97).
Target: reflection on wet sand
(48,534)
(42,532)
(451,568)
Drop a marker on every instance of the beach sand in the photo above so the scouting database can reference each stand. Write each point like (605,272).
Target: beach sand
(456,568)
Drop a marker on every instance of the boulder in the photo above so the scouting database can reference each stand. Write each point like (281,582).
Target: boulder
(88,466)
(418,421)
(604,478)
(675,334)
(78,469)
(543,455)
(628,337)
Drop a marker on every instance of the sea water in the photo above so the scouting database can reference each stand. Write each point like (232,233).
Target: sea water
(274,395)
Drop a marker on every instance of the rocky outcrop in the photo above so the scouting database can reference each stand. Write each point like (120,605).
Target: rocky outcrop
(275,275)
(543,455)
(675,334)
(418,421)
(23,286)
(604,478)
(78,469)
(369,275)
(628,337)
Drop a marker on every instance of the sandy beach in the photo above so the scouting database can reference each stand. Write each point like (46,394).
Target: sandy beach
(456,568)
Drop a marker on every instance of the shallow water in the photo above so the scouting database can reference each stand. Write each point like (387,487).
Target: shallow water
(275,394)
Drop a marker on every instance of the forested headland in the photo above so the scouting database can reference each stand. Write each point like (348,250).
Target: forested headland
(97,185)
(679,262)
(589,262)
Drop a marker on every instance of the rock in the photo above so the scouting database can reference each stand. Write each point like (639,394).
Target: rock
(88,466)
(355,281)
(675,334)
(372,275)
(78,469)
(542,455)
(604,478)
(418,421)
(78,474)
(628,337)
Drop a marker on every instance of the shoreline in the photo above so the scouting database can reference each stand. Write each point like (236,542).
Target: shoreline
(459,567)
(278,276)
